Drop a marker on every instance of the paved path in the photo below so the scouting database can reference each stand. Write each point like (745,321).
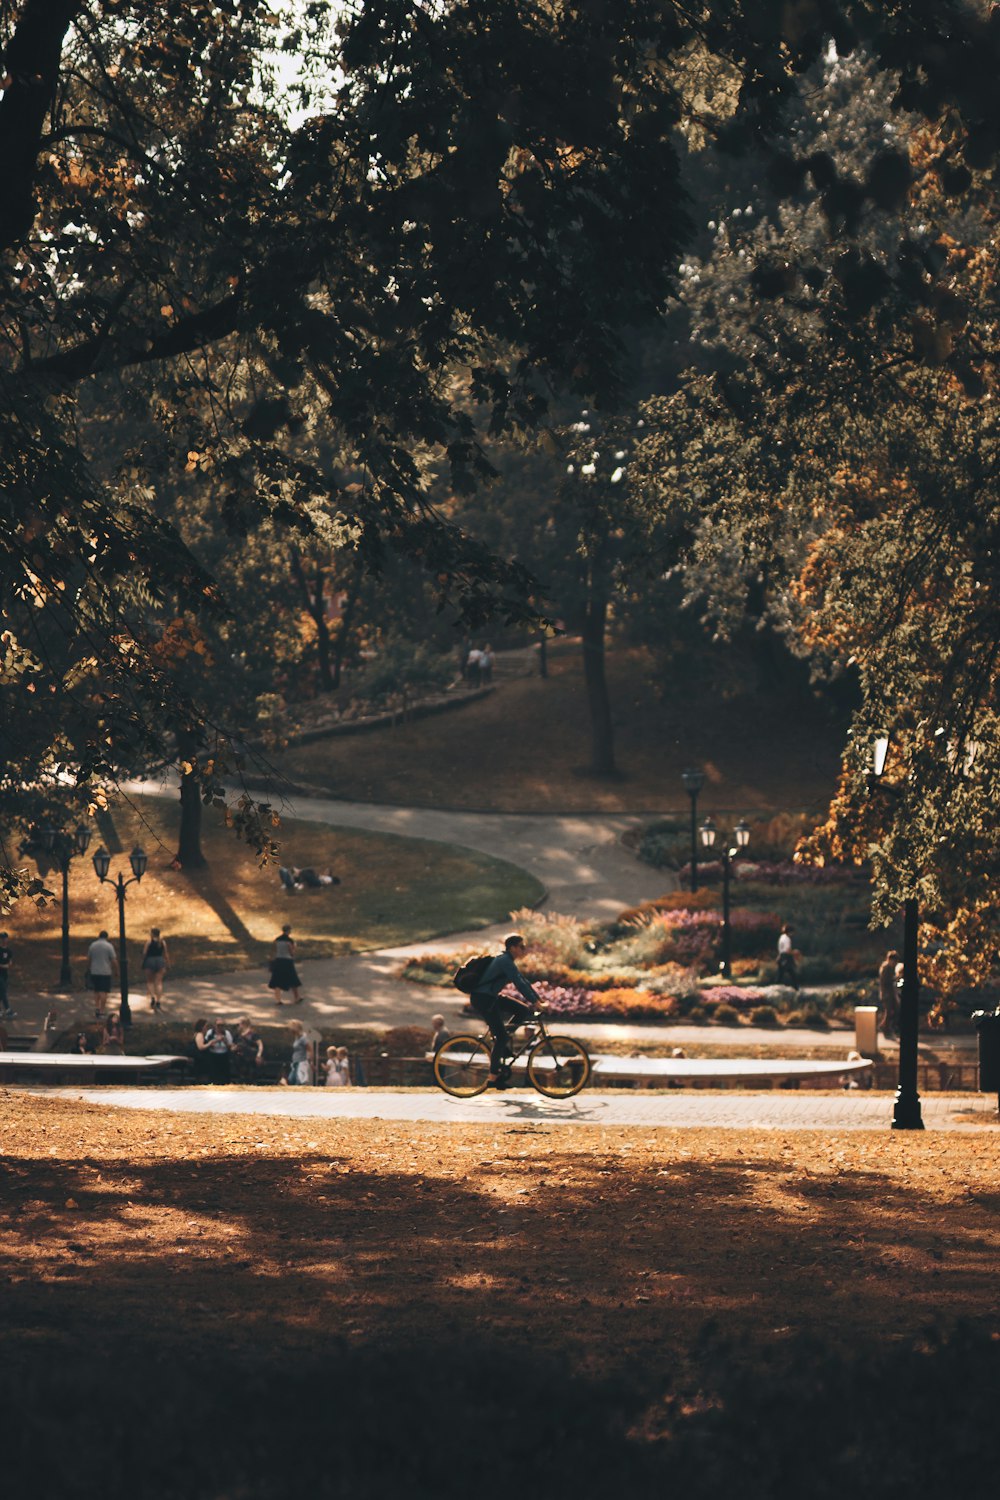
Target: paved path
(697,1109)
(579,858)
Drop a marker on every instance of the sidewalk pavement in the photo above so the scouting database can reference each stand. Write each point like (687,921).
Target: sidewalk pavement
(695,1109)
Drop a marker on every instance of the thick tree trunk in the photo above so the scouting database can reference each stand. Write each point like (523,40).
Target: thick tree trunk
(313,602)
(189,851)
(327,681)
(602,734)
(346,622)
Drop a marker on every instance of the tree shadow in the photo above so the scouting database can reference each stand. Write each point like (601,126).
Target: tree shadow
(556,1321)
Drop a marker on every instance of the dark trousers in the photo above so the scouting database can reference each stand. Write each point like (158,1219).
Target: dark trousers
(496,1012)
(786,970)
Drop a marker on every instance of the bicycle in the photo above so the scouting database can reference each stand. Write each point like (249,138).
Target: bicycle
(557,1066)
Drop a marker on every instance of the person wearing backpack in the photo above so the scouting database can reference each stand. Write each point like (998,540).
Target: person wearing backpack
(496,1009)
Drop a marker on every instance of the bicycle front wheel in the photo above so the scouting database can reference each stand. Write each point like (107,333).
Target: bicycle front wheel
(462,1066)
(558,1067)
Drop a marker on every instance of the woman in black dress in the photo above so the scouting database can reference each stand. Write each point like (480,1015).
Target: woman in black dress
(284,975)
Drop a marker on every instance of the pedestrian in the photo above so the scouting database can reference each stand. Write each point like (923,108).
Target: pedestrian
(338,1068)
(249,1051)
(113,1039)
(102,963)
(888,993)
(473,666)
(155,963)
(198,1051)
(440,1033)
(497,1010)
(284,975)
(219,1051)
(786,959)
(299,1068)
(6,959)
(486,660)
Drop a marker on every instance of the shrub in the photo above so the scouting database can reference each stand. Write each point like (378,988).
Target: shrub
(764,1015)
(564,938)
(699,900)
(696,1014)
(732,995)
(405,1041)
(726,1015)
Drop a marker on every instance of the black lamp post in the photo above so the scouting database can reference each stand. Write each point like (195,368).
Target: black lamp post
(906,1114)
(102,864)
(737,840)
(693,782)
(64,847)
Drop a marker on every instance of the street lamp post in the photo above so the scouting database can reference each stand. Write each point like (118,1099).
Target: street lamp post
(731,846)
(64,847)
(906,1113)
(102,864)
(693,781)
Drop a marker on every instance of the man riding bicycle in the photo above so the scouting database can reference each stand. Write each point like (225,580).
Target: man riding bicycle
(496,1009)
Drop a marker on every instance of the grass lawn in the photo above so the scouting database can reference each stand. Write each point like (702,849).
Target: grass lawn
(193,1304)
(523,749)
(393,890)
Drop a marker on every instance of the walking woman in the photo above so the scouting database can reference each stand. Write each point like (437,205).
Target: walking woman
(284,975)
(155,963)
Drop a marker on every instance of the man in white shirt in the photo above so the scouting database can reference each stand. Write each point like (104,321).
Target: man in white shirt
(102,963)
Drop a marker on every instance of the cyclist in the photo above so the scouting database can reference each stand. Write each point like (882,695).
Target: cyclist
(497,1009)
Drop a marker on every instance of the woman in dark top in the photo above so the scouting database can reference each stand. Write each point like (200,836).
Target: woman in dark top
(113,1041)
(198,1051)
(284,975)
(155,962)
(248,1052)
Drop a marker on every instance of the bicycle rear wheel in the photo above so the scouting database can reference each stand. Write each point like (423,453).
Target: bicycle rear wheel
(462,1066)
(558,1067)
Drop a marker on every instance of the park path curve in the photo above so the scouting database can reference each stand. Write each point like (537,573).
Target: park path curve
(578,857)
(831,1110)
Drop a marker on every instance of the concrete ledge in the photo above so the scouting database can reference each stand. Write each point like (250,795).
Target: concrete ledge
(420,710)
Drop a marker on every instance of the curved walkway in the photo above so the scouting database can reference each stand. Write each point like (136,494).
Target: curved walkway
(578,858)
(774,1110)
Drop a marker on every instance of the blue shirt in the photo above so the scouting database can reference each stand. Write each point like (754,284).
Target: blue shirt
(502,972)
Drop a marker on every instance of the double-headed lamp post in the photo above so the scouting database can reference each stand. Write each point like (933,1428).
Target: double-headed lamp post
(693,781)
(102,864)
(64,847)
(906,1113)
(731,846)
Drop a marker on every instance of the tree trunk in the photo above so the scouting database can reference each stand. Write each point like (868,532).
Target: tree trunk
(602,734)
(312,599)
(189,852)
(346,621)
(543,655)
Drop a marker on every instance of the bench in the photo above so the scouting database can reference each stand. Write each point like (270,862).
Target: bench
(671,1072)
(81,1067)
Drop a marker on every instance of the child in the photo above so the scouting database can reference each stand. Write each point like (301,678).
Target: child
(440,1034)
(338,1068)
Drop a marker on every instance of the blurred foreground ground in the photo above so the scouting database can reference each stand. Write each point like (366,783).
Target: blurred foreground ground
(193,1303)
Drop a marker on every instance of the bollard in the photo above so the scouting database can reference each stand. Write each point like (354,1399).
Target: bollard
(866,1030)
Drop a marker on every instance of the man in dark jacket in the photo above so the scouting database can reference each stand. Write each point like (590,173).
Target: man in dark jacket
(497,1010)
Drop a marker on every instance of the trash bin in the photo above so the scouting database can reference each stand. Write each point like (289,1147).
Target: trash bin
(866,1030)
(987,1023)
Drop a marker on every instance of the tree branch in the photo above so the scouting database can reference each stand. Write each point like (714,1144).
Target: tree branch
(183,337)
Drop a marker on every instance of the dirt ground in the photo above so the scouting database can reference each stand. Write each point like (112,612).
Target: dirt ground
(564,1266)
(526,748)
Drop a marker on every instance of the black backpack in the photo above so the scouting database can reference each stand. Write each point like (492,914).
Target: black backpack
(471,972)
